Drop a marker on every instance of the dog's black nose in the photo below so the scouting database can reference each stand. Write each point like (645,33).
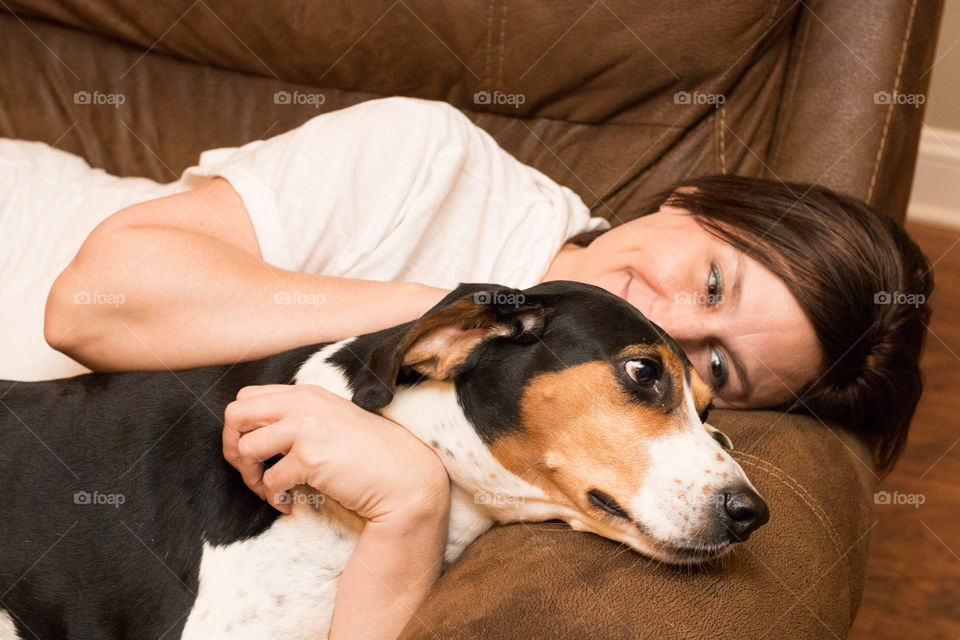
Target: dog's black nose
(745,511)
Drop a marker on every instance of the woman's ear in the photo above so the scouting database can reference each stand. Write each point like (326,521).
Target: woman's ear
(439,342)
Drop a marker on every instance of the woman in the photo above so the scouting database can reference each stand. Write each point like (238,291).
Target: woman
(335,228)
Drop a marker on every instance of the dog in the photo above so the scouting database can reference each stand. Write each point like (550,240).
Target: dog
(121,519)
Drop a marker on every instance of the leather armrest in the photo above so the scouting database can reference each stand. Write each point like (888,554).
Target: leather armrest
(800,576)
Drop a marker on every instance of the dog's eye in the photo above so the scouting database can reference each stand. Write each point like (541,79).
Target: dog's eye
(606,503)
(644,371)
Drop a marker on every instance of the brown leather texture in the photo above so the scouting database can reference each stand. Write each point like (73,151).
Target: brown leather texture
(599,81)
(619,100)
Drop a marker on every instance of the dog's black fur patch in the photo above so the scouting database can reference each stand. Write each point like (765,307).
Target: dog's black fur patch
(71,568)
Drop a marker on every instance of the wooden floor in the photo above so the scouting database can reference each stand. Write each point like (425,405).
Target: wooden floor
(913,573)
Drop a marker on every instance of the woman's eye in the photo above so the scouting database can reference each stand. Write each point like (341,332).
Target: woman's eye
(718,369)
(714,285)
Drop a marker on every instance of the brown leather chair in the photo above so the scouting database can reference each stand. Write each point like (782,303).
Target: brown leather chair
(618,100)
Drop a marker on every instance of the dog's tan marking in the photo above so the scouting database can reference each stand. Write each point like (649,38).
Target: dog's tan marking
(671,362)
(440,342)
(438,352)
(702,393)
(580,423)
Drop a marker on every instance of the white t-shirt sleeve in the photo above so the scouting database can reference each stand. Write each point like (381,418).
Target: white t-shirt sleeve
(398,189)
(325,192)
(237,167)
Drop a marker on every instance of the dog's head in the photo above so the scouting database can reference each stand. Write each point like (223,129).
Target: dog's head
(574,391)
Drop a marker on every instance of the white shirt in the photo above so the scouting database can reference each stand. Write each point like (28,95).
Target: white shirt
(395,189)
(399,189)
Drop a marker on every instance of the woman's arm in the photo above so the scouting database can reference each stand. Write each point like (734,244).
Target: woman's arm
(193,290)
(397,560)
(366,463)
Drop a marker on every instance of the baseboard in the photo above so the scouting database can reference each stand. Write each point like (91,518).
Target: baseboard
(935,198)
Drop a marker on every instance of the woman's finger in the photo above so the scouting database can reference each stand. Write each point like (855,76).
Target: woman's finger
(255,411)
(272,440)
(255,447)
(243,416)
(277,439)
(279,479)
(259,407)
(272,403)
(249,468)
(260,389)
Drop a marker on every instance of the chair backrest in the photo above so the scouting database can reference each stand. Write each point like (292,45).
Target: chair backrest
(615,99)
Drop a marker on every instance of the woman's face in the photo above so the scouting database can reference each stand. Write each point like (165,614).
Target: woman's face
(737,322)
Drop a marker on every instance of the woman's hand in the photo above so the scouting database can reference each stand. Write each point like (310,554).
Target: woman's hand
(371,466)
(363,461)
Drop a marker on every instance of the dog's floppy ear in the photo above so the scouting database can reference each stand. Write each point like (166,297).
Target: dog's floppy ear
(719,436)
(440,341)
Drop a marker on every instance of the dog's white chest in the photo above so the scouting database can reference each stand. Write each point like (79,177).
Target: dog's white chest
(281,584)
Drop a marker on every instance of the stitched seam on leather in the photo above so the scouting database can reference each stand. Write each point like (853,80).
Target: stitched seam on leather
(488,46)
(801,492)
(658,125)
(723,146)
(815,505)
(893,102)
(715,123)
(503,32)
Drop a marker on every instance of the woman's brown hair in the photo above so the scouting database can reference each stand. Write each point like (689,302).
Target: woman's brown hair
(861,280)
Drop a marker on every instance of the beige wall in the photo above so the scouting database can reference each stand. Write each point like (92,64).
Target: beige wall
(943,106)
